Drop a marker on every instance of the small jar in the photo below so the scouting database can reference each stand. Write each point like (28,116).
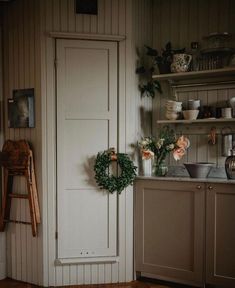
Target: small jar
(230,165)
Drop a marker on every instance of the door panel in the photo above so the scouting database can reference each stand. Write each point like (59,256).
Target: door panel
(169,230)
(77,164)
(86,124)
(220,235)
(87,76)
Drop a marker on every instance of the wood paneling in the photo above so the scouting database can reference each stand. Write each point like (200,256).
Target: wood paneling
(2,235)
(28,62)
(184,21)
(21,64)
(142,29)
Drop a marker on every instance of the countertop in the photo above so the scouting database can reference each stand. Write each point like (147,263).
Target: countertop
(188,179)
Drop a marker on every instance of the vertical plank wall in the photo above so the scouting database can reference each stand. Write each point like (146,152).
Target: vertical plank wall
(21,63)
(26,54)
(142,33)
(2,234)
(182,22)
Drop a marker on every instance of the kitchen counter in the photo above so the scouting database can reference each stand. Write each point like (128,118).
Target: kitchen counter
(188,179)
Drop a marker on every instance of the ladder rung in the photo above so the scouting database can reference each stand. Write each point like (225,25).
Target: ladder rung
(18,222)
(20,196)
(16,173)
(16,168)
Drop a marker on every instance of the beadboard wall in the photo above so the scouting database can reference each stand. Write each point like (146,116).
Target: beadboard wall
(142,31)
(2,234)
(21,69)
(183,22)
(29,62)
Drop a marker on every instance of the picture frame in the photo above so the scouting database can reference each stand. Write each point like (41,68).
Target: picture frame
(21,109)
(89,7)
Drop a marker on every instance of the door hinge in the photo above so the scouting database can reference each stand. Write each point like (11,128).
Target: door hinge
(56,235)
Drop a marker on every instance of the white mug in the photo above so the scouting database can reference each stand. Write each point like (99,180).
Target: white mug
(226,112)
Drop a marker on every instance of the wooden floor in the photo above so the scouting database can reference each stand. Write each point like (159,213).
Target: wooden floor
(8,283)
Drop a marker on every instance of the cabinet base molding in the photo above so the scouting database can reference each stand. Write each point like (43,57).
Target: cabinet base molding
(170,279)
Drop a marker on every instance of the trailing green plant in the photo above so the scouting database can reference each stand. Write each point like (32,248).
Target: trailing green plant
(146,69)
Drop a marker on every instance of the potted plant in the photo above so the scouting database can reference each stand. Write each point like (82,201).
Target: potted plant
(147,67)
(165,59)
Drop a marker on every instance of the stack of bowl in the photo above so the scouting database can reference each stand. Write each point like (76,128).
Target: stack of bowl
(193,110)
(173,109)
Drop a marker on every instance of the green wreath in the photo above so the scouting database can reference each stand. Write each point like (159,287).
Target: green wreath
(111,182)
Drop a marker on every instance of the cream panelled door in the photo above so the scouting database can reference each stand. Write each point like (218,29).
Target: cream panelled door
(86,123)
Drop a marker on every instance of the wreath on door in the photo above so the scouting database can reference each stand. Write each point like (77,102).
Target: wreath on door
(109,182)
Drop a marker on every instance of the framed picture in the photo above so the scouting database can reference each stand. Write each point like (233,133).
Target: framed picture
(86,7)
(21,109)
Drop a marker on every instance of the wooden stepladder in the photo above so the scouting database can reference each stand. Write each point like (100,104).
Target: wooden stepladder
(17,160)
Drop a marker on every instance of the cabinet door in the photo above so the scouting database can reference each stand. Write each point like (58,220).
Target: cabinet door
(220,235)
(169,230)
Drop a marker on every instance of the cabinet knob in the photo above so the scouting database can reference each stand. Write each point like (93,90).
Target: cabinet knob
(199,186)
(210,187)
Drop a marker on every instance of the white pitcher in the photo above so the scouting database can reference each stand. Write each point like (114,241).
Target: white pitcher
(181,62)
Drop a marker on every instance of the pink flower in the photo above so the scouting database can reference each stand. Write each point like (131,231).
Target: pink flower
(147,154)
(178,153)
(183,142)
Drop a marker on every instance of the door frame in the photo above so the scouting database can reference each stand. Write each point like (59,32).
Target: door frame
(107,51)
(125,101)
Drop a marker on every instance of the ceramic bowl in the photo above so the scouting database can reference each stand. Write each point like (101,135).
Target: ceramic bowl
(174,109)
(199,169)
(171,115)
(193,104)
(190,114)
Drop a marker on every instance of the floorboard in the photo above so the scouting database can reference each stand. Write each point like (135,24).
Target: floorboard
(9,283)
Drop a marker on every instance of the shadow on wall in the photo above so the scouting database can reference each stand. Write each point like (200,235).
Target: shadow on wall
(146,121)
(146,130)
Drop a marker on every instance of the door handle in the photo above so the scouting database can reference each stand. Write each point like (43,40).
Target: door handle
(210,187)
(198,187)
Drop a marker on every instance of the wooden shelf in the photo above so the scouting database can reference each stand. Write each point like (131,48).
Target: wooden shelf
(229,71)
(197,121)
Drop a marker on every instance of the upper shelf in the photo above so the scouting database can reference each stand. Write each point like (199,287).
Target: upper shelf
(228,71)
(197,121)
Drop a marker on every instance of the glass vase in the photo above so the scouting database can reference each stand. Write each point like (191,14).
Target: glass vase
(160,169)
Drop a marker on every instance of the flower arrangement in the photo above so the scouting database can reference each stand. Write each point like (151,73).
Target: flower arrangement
(158,149)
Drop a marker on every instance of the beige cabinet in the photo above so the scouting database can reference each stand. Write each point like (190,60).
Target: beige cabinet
(220,235)
(169,230)
(185,232)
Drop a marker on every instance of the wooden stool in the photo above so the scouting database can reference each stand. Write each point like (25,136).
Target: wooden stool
(17,160)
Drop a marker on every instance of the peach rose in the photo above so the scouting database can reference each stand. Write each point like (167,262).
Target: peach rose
(178,153)
(147,154)
(183,142)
